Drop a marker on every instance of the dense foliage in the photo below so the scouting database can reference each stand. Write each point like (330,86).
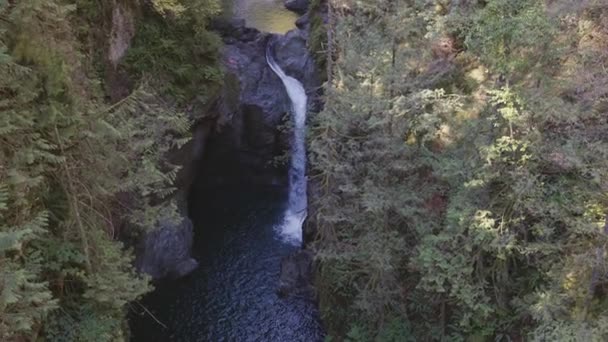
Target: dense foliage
(461,169)
(460,164)
(179,50)
(76,171)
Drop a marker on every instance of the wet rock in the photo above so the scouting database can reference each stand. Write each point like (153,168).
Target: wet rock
(291,53)
(303,22)
(298,6)
(296,274)
(247,139)
(234,30)
(228,26)
(166,251)
(258,86)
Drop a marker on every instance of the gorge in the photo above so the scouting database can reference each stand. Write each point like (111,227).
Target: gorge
(449,159)
(253,279)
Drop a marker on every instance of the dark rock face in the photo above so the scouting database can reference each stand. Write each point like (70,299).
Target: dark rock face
(298,6)
(247,137)
(303,22)
(296,274)
(165,252)
(291,53)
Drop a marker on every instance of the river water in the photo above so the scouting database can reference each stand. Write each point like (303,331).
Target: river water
(232,295)
(265,15)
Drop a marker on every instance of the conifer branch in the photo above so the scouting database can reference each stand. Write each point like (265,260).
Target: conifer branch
(74,204)
(151,314)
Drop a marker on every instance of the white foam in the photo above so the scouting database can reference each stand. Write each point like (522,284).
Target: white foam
(291,228)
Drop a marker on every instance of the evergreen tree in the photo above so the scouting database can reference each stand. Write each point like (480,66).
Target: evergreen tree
(75,172)
(461,168)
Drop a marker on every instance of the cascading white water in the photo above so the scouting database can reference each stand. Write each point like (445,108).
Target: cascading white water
(291,229)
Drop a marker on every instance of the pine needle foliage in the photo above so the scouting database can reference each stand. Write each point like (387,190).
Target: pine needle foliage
(460,164)
(75,172)
(173,46)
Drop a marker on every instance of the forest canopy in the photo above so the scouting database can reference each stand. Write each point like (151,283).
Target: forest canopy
(458,170)
(460,166)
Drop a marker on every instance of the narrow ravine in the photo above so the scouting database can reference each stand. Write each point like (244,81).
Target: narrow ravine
(244,289)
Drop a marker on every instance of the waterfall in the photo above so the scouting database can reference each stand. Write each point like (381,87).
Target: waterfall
(291,229)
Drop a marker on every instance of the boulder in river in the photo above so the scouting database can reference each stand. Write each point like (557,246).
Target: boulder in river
(166,251)
(303,22)
(298,6)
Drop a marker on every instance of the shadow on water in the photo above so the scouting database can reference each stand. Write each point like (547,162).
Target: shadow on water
(232,295)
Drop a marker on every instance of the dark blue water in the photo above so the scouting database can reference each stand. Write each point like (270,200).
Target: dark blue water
(232,295)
